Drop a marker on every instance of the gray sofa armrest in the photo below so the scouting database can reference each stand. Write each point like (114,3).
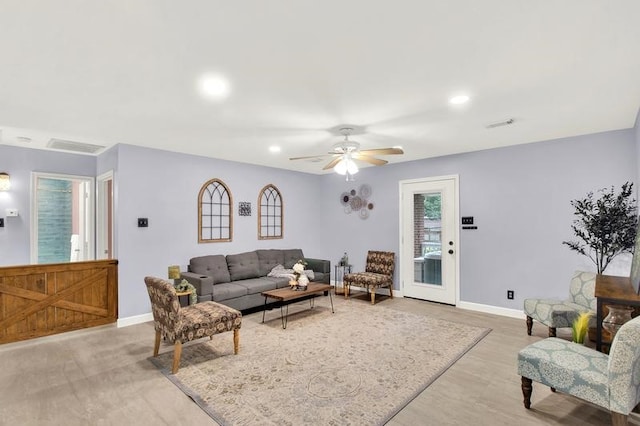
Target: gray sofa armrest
(202,283)
(320,266)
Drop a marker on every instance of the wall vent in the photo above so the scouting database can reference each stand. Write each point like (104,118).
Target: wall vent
(66,145)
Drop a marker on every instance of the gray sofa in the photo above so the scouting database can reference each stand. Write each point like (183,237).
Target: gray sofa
(236,280)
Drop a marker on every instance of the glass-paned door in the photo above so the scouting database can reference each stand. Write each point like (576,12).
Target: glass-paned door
(429,239)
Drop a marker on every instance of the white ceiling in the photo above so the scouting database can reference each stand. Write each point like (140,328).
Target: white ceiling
(125,71)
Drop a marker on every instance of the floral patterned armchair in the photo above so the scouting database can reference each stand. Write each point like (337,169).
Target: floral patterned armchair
(562,313)
(610,381)
(378,273)
(179,324)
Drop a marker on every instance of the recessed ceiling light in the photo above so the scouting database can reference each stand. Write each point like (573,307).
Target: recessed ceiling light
(214,86)
(459,100)
(274,148)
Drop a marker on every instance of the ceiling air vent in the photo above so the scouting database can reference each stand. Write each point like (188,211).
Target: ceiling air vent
(507,122)
(65,145)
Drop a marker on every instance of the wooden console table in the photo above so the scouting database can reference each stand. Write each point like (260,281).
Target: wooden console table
(612,290)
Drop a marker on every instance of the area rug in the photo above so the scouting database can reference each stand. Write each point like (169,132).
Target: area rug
(358,366)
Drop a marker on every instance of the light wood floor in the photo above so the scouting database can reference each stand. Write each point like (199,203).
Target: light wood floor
(102,377)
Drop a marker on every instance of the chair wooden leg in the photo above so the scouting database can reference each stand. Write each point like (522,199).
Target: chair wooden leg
(527,389)
(236,340)
(373,297)
(390,292)
(177,352)
(346,290)
(552,332)
(156,346)
(529,324)
(618,419)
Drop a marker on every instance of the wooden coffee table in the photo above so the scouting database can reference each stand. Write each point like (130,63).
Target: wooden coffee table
(288,295)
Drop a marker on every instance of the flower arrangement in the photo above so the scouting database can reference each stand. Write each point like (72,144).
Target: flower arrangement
(185,285)
(298,271)
(580,326)
(298,268)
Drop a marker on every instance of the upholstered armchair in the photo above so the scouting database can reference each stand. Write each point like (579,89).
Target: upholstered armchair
(178,324)
(609,381)
(556,313)
(378,273)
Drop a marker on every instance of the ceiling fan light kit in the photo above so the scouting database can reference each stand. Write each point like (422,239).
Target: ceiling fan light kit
(344,153)
(346,165)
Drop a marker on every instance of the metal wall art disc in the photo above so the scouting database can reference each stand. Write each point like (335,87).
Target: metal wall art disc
(365,191)
(356,203)
(353,201)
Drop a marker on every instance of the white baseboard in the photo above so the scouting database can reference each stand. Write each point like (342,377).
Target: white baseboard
(489,309)
(137,319)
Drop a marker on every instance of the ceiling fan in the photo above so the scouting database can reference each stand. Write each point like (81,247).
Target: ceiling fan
(345,152)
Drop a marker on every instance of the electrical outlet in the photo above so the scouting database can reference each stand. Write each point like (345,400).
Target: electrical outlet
(143,222)
(510,294)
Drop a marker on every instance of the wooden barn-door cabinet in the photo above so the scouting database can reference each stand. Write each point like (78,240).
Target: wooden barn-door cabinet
(39,300)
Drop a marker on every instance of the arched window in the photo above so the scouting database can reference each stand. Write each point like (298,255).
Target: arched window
(269,213)
(215,222)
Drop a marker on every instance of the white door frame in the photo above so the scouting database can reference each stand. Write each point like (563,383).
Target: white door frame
(102,216)
(455,238)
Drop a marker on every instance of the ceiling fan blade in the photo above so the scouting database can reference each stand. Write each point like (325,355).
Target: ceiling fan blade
(382,151)
(332,163)
(368,159)
(309,157)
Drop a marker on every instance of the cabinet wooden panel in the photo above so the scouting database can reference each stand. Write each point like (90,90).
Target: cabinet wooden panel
(39,300)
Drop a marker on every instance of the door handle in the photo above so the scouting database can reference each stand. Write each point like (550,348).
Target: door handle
(450,251)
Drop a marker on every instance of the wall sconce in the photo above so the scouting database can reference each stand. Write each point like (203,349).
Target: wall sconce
(5,182)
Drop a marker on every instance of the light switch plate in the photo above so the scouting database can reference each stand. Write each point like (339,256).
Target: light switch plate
(11,212)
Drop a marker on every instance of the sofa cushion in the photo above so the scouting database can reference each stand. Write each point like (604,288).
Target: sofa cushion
(214,266)
(243,265)
(269,259)
(291,257)
(257,285)
(222,292)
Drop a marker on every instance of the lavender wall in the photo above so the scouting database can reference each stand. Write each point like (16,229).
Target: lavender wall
(19,163)
(519,197)
(163,187)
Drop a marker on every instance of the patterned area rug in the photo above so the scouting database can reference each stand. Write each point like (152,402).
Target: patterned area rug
(359,366)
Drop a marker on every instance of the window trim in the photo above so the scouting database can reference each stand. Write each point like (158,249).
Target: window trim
(260,205)
(200,214)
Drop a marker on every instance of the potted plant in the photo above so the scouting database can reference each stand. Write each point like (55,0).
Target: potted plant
(606,226)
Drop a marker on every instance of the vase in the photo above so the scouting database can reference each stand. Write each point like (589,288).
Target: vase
(617,316)
(303,281)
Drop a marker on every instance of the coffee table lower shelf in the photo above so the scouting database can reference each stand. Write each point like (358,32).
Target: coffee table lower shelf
(287,295)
